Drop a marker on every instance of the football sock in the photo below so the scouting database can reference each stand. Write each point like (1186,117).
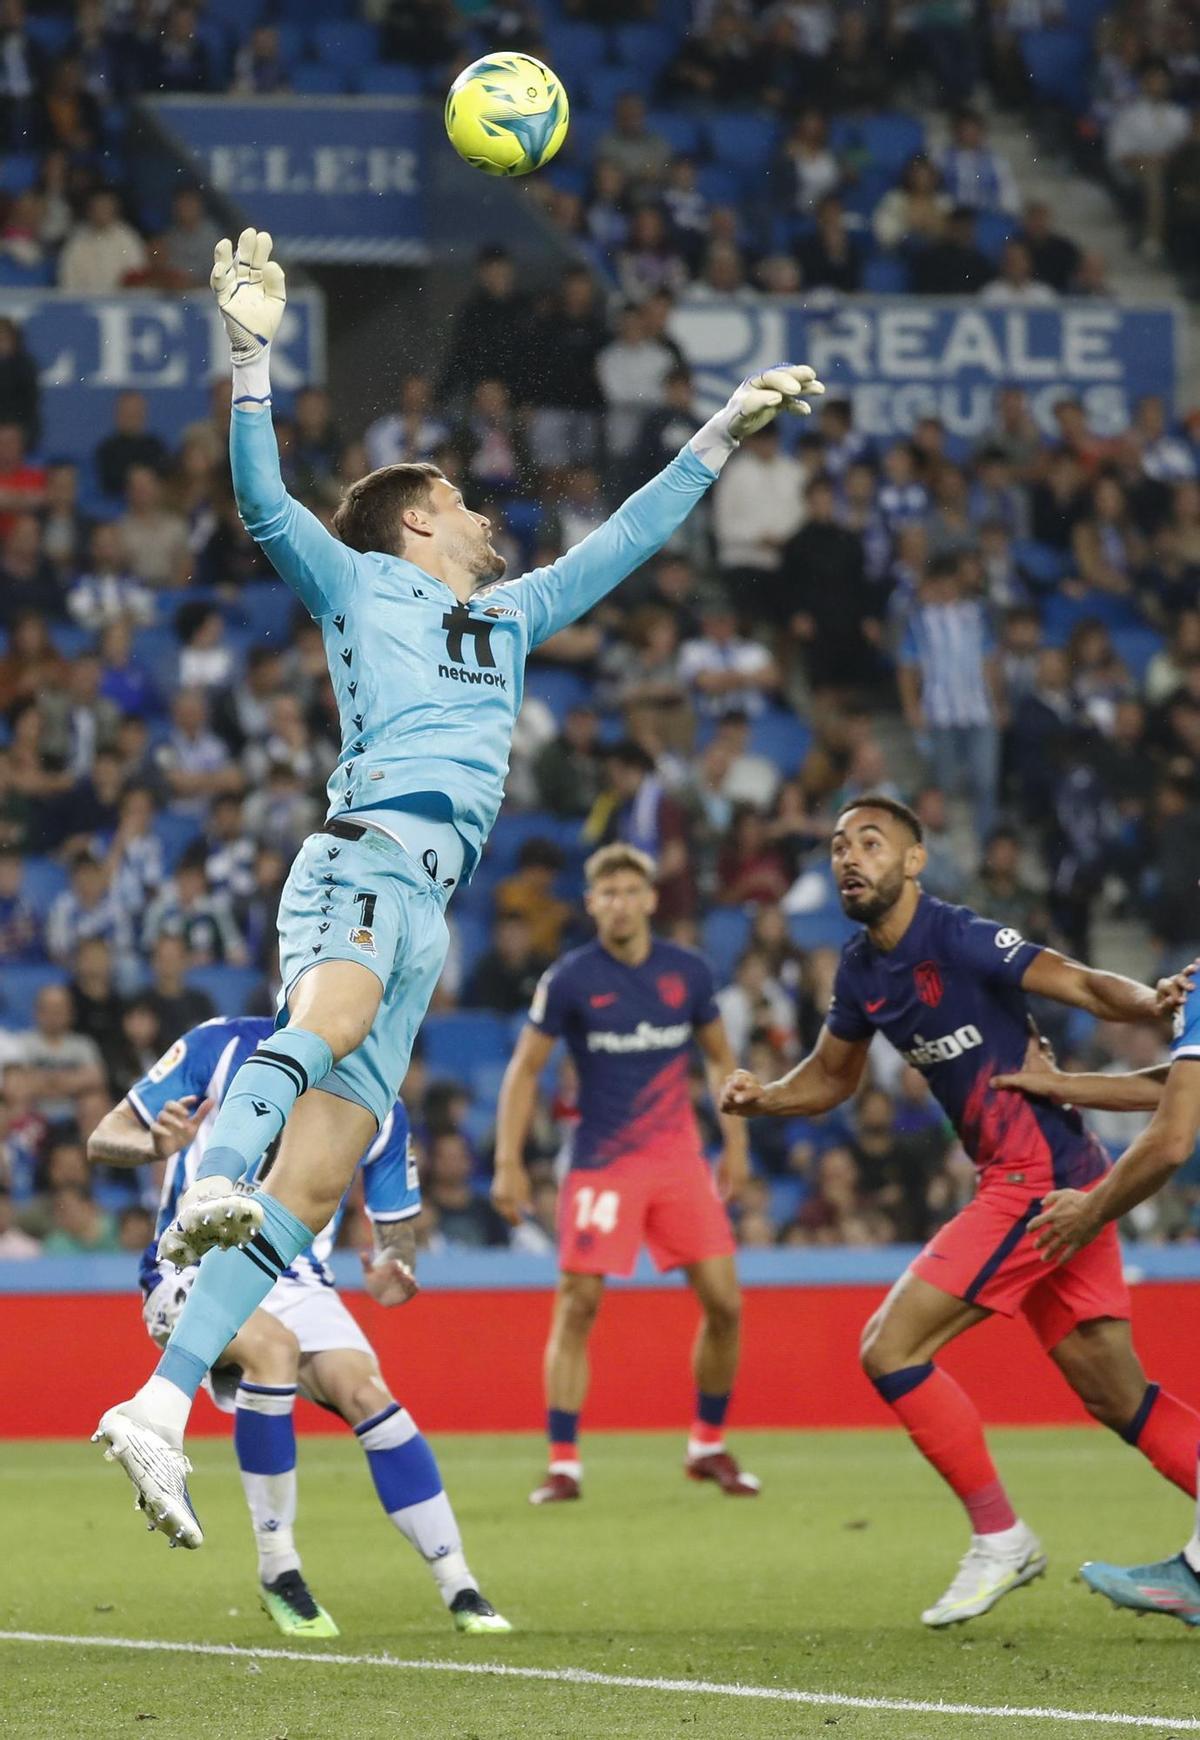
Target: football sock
(1166,1431)
(228,1287)
(260,1097)
(410,1490)
(707,1431)
(264,1438)
(944,1425)
(562,1429)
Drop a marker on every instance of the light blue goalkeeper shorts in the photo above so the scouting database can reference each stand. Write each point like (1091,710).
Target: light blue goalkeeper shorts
(366,900)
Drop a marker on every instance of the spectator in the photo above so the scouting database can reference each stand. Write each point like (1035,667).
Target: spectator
(942,876)
(491,442)
(205,659)
(1016,287)
(154,539)
(826,598)
(22,74)
(1140,139)
(567,771)
(259,68)
(131,443)
(561,380)
(951,689)
(490,332)
(607,213)
(174,1005)
(506,976)
(1000,890)
(951,264)
(1105,542)
(631,369)
(188,908)
(87,909)
(757,508)
(61,1062)
(191,236)
(913,214)
(78,722)
(413,433)
(644,814)
(650,259)
(755,1006)
(15,1245)
(79,1226)
(136,865)
(106,593)
(28,583)
(642,156)
(99,1010)
(528,894)
(22,480)
(829,258)
(231,853)
(975,176)
(750,870)
(193,761)
(1054,258)
(179,59)
(810,169)
(20,394)
(858,66)
(20,926)
(463,1216)
(100,250)
(729,674)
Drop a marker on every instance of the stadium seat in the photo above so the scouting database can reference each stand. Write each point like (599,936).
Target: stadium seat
(1085,14)
(726,934)
(346,43)
(781,737)
(230,988)
(312,80)
(992,230)
(469,1036)
(743,142)
(820,930)
(388,81)
(175,834)
(574,49)
(218,41)
(719,184)
(265,611)
(44,880)
(18,171)
(681,132)
(70,640)
(473,936)
(157,650)
(1135,648)
(885,275)
(1044,564)
(1057,64)
(604,84)
(645,45)
(19,987)
(52,34)
(239,15)
(558,687)
(889,140)
(17,277)
(514,828)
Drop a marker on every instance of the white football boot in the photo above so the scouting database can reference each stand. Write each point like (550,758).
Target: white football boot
(158,1470)
(214,1211)
(992,1568)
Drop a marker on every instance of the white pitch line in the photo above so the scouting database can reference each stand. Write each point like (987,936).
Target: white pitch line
(628,1682)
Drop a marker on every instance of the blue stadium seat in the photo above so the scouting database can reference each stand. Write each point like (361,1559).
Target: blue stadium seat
(474,1036)
(574,49)
(230,988)
(44,880)
(157,649)
(726,934)
(557,686)
(345,43)
(514,828)
(473,935)
(889,141)
(681,132)
(291,42)
(820,930)
(524,518)
(885,275)
(176,833)
(1044,564)
(388,81)
(70,640)
(718,184)
(52,34)
(992,230)
(240,15)
(604,84)
(1057,63)
(1086,14)
(18,171)
(265,610)
(649,45)
(17,277)
(1135,648)
(218,40)
(743,142)
(782,738)
(311,80)
(19,987)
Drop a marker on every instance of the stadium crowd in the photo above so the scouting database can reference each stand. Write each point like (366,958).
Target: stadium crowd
(1004,632)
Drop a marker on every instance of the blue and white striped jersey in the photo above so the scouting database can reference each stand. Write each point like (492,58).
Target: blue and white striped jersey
(1185,1041)
(204,1062)
(950,644)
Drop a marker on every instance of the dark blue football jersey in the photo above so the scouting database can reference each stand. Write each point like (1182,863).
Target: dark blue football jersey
(948,998)
(630,1033)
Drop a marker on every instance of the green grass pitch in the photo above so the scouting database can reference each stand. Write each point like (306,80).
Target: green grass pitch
(815,1586)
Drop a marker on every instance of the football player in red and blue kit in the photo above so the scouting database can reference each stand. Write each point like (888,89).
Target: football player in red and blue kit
(630,1009)
(946,988)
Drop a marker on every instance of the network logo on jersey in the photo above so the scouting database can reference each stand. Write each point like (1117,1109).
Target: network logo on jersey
(460,625)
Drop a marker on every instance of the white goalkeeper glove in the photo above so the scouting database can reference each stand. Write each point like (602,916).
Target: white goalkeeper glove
(757,402)
(251,294)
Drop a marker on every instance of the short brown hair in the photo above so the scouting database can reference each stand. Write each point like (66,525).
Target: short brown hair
(370,513)
(611,859)
(874,800)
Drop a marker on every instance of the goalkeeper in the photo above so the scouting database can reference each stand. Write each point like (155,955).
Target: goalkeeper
(426,648)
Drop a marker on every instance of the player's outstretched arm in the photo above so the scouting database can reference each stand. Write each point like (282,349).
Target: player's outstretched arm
(1107,996)
(1070,1219)
(556,596)
(827,1077)
(514,1114)
(251,294)
(121,1139)
(1139,1091)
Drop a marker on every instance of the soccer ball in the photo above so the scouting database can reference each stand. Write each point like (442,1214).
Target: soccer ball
(507,114)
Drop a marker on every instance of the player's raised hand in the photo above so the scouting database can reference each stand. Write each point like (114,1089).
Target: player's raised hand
(1068,1221)
(388,1279)
(1171,994)
(760,399)
(742,1094)
(511,1196)
(176,1125)
(250,291)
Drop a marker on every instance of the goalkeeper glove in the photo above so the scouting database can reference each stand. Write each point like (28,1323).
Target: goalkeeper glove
(251,294)
(757,402)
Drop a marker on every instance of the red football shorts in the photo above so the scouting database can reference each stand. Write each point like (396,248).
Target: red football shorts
(986,1256)
(669,1204)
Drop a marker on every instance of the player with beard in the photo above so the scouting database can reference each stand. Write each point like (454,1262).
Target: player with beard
(947,989)
(426,648)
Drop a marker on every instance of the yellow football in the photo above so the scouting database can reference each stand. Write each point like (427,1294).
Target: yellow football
(507,114)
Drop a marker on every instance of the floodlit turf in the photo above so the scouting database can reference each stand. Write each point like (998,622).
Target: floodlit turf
(816,1586)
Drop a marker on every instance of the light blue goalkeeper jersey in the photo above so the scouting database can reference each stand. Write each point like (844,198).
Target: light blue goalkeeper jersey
(428,689)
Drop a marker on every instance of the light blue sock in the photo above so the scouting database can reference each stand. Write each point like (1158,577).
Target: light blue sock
(260,1097)
(229,1286)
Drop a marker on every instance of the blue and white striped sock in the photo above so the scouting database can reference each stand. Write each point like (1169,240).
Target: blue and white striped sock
(410,1490)
(264,1439)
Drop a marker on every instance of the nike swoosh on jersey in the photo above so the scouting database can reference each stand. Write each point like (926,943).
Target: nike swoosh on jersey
(874,1008)
(602,1002)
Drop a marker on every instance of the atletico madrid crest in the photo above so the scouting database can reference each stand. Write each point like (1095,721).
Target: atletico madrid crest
(672,988)
(928,979)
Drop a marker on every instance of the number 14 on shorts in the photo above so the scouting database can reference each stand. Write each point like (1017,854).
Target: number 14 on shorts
(596,1208)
